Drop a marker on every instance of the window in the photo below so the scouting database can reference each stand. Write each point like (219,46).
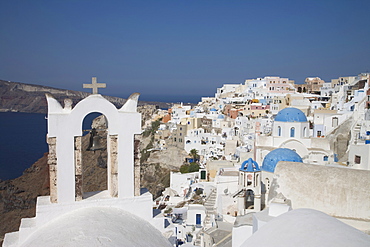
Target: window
(279,131)
(318,133)
(304,134)
(292,130)
(267,184)
(334,122)
(357,159)
(326,158)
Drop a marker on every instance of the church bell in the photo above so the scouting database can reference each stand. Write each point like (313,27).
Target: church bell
(94,143)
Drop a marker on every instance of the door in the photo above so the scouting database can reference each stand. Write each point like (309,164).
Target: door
(198,219)
(202,174)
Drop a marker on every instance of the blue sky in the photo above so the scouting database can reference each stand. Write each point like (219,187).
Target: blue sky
(180,48)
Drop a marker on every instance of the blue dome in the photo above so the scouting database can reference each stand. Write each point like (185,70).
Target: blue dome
(221,116)
(213,109)
(291,114)
(279,154)
(249,166)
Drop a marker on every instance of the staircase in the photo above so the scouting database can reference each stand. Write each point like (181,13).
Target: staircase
(209,204)
(210,208)
(356,132)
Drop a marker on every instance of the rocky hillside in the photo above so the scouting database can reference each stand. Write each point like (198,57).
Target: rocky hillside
(18,196)
(155,171)
(21,97)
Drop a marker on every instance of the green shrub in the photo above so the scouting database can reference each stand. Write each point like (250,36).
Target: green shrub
(193,167)
(186,168)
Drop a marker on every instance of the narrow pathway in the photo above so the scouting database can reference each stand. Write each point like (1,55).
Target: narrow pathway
(210,208)
(209,204)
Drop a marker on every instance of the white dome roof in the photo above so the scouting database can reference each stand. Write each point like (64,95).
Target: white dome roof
(97,226)
(307,228)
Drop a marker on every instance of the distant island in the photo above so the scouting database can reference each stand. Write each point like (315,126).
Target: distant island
(22,97)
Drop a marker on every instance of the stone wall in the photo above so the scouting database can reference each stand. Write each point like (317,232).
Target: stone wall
(339,192)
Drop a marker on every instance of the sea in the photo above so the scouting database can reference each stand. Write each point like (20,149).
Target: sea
(23,141)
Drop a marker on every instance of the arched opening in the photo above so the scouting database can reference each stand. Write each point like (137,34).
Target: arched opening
(93,155)
(304,134)
(249,199)
(279,131)
(236,131)
(256,181)
(242,183)
(292,132)
(249,179)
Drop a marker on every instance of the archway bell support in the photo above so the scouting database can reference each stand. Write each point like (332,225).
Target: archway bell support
(113,173)
(137,156)
(52,162)
(78,169)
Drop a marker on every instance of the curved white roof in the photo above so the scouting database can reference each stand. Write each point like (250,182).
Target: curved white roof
(97,226)
(307,228)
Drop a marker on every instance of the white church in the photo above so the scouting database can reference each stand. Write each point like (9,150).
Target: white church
(291,129)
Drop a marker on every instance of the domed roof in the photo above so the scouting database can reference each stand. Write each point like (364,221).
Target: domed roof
(221,116)
(249,166)
(97,226)
(213,109)
(291,114)
(297,228)
(279,154)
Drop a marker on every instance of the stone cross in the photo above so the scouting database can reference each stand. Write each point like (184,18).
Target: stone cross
(94,85)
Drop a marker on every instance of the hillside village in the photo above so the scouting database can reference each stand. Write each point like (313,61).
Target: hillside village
(237,138)
(270,163)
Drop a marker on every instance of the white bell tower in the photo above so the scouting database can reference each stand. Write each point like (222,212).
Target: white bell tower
(249,185)
(64,139)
